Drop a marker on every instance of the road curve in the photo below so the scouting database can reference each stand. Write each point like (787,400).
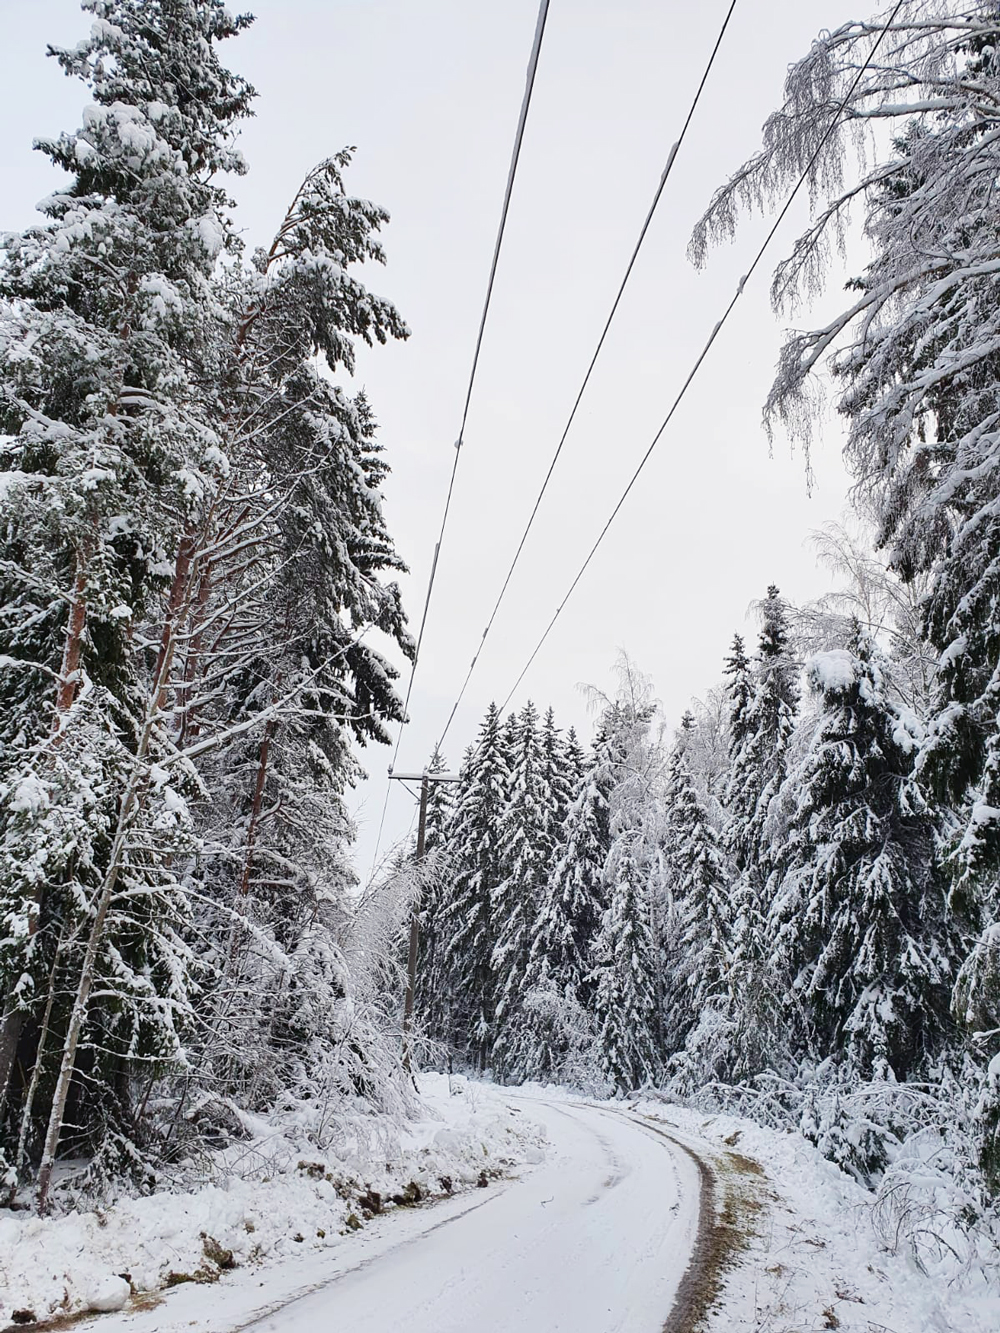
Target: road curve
(596,1240)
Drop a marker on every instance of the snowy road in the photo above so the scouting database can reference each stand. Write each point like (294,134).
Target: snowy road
(595,1240)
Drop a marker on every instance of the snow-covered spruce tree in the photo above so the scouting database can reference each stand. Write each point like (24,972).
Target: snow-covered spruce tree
(762,724)
(108,331)
(575,761)
(700,888)
(432,1000)
(916,353)
(292,682)
(524,863)
(762,727)
(739,693)
(625,992)
(559,773)
(860,930)
(272,591)
(625,1002)
(475,848)
(570,910)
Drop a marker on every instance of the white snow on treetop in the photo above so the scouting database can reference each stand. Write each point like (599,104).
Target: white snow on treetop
(832,671)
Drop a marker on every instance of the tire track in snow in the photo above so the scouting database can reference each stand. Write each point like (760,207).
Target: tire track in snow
(701,1279)
(724,1218)
(697,1287)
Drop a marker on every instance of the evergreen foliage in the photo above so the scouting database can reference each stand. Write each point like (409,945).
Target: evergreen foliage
(475,848)
(915,354)
(625,1001)
(700,885)
(526,837)
(192,544)
(859,921)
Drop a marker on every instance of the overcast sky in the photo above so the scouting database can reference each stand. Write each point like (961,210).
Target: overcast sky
(429,93)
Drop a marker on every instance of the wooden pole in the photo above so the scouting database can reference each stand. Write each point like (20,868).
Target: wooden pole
(411,962)
(425,779)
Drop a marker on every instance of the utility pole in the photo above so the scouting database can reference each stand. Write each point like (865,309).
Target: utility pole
(425,779)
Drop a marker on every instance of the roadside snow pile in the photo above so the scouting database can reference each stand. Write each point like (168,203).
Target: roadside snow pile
(824,1252)
(274,1196)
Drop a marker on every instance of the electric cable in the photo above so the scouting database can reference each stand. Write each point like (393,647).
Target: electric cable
(708,345)
(536,47)
(593,361)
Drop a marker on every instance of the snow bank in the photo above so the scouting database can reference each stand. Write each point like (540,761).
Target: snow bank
(271,1197)
(822,1257)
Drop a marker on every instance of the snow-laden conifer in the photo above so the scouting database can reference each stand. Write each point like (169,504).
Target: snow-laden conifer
(762,725)
(432,999)
(700,888)
(570,910)
(625,1001)
(475,848)
(859,925)
(915,350)
(525,861)
(109,329)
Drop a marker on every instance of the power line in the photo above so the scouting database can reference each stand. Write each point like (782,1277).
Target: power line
(708,345)
(593,361)
(536,47)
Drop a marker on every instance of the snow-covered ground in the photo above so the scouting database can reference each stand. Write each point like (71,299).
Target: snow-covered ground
(819,1255)
(588,1223)
(274,1198)
(595,1237)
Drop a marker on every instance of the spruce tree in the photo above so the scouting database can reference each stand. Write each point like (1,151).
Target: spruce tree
(625,1001)
(860,928)
(739,691)
(558,779)
(432,1001)
(525,838)
(700,886)
(475,849)
(570,910)
(575,760)
(761,733)
(109,329)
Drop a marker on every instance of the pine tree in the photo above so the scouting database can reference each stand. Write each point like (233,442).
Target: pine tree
(475,848)
(860,924)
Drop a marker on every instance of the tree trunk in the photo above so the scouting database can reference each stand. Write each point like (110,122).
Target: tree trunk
(66,689)
(29,1096)
(255,809)
(178,591)
(129,804)
(10,1035)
